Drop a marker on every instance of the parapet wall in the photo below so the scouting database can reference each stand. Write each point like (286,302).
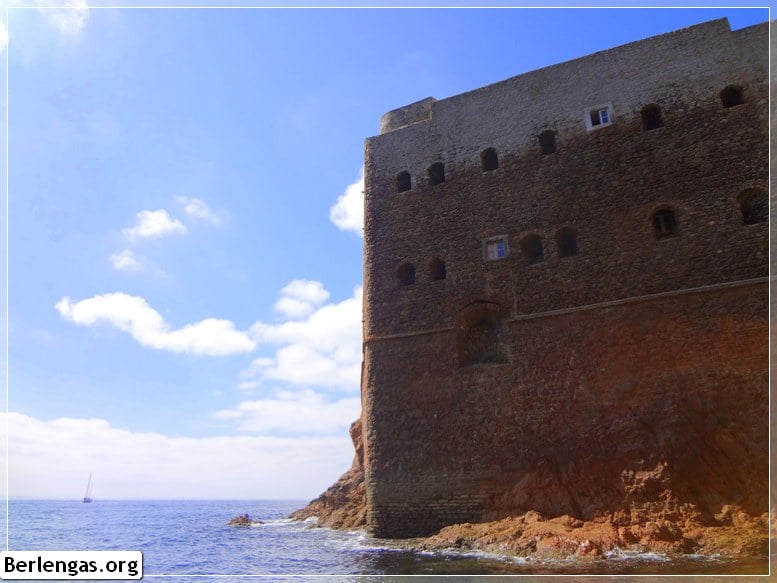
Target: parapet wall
(696,62)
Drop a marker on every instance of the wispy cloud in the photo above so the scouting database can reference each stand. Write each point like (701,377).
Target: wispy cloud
(132,314)
(348,211)
(127,261)
(300,297)
(67,16)
(292,413)
(322,350)
(3,37)
(53,458)
(153,225)
(198,209)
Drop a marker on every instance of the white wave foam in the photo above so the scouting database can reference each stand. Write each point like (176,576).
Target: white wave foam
(281,522)
(619,554)
(474,554)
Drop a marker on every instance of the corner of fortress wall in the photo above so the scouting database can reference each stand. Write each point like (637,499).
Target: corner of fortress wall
(633,351)
(417,112)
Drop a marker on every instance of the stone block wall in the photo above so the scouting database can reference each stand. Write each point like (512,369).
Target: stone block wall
(597,362)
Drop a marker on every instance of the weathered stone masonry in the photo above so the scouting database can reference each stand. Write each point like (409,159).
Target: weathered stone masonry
(544,317)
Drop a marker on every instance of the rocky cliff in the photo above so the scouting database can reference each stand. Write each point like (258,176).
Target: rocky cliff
(650,516)
(344,504)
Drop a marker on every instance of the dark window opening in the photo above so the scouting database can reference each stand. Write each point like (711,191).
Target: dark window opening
(547,141)
(532,248)
(489,160)
(402,182)
(664,223)
(567,242)
(731,96)
(406,274)
(436,173)
(754,204)
(437,270)
(651,117)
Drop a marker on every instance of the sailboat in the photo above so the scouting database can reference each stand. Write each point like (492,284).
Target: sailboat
(88,494)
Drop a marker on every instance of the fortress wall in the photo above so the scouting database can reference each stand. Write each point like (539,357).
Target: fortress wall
(587,398)
(658,361)
(605,185)
(508,115)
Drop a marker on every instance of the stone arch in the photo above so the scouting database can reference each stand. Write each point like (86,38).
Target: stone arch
(732,95)
(566,240)
(665,223)
(406,274)
(547,141)
(482,334)
(489,160)
(754,204)
(402,181)
(531,245)
(437,269)
(651,117)
(436,173)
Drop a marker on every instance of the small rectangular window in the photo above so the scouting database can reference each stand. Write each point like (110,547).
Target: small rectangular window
(496,248)
(599,116)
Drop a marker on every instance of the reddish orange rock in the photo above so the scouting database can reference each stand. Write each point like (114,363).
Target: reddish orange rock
(344,504)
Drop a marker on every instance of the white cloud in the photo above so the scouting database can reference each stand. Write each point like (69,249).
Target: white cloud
(127,261)
(3,37)
(198,209)
(300,297)
(153,225)
(304,412)
(248,385)
(133,315)
(323,350)
(68,17)
(348,212)
(52,459)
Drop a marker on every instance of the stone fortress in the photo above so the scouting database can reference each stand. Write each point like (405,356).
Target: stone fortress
(566,291)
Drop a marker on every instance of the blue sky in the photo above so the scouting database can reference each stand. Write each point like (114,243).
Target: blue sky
(184,249)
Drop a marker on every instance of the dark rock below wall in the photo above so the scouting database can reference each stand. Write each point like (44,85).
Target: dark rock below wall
(655,521)
(344,504)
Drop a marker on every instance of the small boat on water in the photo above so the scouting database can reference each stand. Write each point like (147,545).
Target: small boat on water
(88,494)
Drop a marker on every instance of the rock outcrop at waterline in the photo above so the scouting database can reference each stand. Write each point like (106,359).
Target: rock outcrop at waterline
(737,534)
(244,520)
(344,504)
(651,518)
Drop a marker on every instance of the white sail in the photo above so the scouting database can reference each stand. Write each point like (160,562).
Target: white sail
(88,494)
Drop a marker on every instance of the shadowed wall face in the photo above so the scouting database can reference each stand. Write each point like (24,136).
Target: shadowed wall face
(603,310)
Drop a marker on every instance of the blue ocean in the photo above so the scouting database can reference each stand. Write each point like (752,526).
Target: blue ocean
(190,540)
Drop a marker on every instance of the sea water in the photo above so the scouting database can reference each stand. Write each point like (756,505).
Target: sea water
(189,540)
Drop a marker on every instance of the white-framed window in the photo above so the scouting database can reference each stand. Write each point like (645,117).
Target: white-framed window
(599,116)
(495,248)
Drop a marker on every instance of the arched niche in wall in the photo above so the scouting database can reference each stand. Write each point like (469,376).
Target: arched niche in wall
(731,96)
(754,205)
(665,223)
(482,334)
(489,160)
(652,117)
(437,269)
(402,181)
(406,274)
